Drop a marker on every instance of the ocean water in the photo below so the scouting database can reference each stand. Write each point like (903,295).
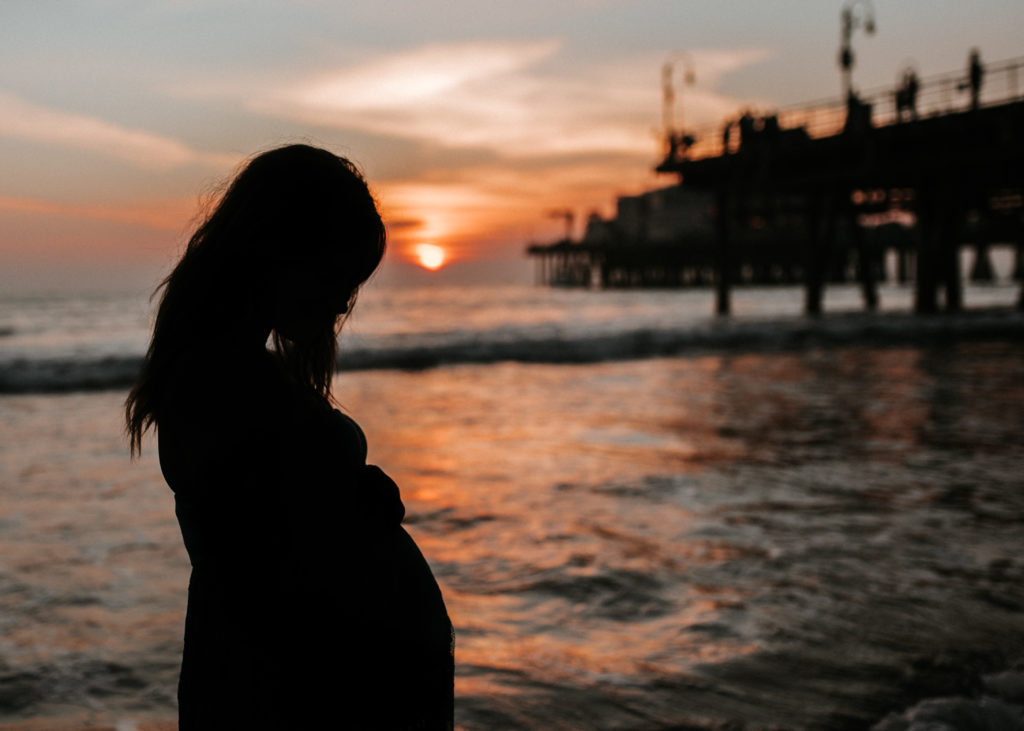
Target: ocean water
(54,343)
(790,525)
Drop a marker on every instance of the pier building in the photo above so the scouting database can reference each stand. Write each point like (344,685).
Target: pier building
(893,182)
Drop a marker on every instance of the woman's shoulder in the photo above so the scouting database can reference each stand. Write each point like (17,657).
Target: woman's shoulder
(212,396)
(214,400)
(349,425)
(341,436)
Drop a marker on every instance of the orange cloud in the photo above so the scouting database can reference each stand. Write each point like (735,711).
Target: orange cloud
(26,121)
(166,214)
(469,210)
(496,95)
(409,77)
(448,214)
(555,135)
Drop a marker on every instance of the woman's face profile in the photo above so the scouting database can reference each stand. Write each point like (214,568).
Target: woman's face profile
(311,285)
(308,299)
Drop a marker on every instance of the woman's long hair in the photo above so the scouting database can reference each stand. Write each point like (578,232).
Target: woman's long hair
(292,205)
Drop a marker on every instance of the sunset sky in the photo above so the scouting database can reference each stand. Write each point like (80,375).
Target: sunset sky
(472,119)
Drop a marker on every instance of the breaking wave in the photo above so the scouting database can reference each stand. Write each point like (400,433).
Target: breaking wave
(79,373)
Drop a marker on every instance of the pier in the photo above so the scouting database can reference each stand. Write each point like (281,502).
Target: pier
(826,192)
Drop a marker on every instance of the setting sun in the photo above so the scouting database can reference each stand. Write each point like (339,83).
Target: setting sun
(430,256)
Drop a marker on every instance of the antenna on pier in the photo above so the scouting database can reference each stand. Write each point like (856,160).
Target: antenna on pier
(674,139)
(668,100)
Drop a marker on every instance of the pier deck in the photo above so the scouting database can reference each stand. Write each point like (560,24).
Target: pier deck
(812,203)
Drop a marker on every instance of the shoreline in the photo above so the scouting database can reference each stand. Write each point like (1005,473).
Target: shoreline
(727,335)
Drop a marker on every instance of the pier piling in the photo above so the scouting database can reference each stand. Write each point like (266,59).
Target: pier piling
(788,203)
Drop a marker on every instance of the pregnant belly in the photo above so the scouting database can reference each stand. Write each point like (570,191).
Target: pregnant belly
(416,592)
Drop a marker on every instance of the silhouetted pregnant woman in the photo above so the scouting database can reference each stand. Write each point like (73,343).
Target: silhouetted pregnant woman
(309,605)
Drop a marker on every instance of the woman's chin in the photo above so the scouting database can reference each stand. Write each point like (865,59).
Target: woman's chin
(301,332)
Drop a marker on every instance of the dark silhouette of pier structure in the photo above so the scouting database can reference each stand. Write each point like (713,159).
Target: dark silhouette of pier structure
(827,192)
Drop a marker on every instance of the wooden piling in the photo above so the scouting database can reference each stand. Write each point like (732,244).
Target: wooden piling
(723,259)
(780,195)
(925,275)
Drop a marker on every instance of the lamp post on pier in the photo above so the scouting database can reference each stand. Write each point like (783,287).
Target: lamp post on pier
(849,21)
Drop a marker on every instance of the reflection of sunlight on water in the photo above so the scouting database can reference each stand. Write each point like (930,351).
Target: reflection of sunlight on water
(628,544)
(579,554)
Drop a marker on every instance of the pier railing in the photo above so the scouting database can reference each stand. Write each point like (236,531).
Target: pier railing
(1003,82)
(945,153)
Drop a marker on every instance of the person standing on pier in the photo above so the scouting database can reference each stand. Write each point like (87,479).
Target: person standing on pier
(975,76)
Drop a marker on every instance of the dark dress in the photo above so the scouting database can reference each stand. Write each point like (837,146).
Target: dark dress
(309,605)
